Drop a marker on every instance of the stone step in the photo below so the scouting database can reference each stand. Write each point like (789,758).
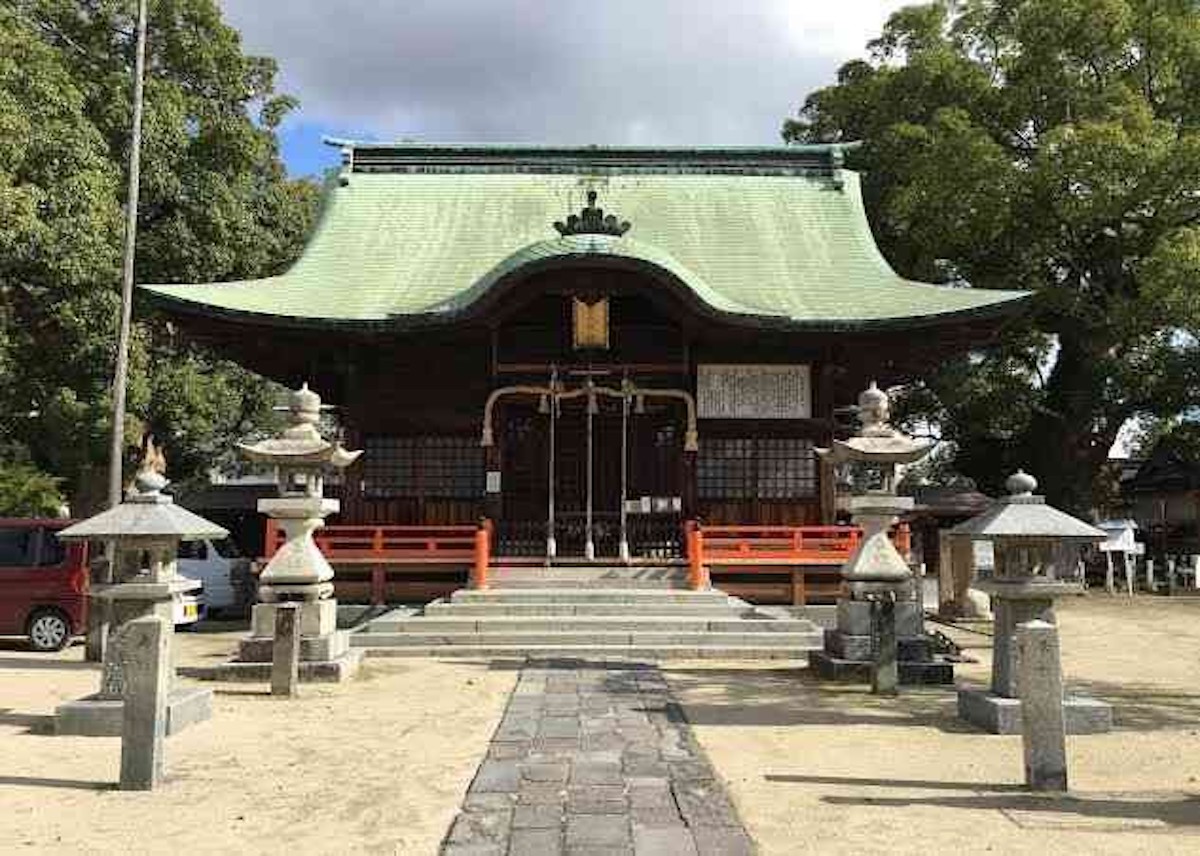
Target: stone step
(588,596)
(619,652)
(566,566)
(559,610)
(636,639)
(541,582)
(539,624)
(631,577)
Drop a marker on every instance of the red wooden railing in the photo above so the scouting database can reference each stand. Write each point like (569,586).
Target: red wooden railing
(385,546)
(791,547)
(807,544)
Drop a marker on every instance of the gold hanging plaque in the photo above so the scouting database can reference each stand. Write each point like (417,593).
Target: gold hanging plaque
(590,324)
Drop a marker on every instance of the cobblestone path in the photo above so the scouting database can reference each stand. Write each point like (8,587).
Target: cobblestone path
(595,758)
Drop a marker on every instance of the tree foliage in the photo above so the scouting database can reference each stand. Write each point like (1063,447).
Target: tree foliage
(1049,145)
(216,204)
(26,491)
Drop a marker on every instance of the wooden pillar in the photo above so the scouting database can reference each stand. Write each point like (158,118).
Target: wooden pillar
(956,570)
(493,462)
(479,574)
(962,569)
(945,577)
(827,491)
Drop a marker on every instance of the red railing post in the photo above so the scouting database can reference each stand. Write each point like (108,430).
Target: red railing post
(483,545)
(903,540)
(697,575)
(378,585)
(270,538)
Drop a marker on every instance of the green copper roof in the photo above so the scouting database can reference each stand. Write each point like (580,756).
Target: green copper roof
(416,235)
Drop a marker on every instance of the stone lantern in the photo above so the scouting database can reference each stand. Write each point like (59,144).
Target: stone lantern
(146,530)
(1036,550)
(298,572)
(880,620)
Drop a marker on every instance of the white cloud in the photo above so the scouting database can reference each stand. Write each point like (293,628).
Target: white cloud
(615,71)
(836,30)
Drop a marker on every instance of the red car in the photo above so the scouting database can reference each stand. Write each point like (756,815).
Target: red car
(43,583)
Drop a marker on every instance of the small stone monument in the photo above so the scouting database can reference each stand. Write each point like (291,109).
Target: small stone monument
(285,653)
(144,648)
(1043,729)
(298,572)
(880,628)
(1036,548)
(146,530)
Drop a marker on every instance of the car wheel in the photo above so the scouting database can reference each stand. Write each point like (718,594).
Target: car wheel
(49,630)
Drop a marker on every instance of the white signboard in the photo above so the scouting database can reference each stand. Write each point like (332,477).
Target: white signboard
(754,392)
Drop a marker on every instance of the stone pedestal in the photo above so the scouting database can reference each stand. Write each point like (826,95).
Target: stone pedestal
(849,653)
(102,714)
(998,710)
(325,652)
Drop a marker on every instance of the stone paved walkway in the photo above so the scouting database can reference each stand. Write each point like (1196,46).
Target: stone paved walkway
(595,758)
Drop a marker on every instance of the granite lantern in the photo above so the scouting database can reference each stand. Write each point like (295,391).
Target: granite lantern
(298,572)
(146,530)
(879,622)
(1036,550)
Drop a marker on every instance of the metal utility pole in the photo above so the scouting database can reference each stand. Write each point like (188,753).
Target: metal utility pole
(120,374)
(97,630)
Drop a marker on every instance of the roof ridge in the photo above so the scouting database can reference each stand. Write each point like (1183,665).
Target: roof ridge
(404,155)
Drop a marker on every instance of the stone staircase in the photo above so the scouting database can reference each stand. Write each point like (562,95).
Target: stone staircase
(639,611)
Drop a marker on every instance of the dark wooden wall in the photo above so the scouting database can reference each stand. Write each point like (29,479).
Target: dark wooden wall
(425,385)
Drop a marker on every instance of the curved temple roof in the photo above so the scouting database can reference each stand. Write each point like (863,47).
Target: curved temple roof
(416,234)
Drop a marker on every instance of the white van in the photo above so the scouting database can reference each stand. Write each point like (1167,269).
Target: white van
(222,571)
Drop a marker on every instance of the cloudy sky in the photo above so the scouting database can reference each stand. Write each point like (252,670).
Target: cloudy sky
(557,71)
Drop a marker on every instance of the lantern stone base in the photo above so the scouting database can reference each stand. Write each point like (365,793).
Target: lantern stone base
(934,672)
(330,671)
(94,716)
(1000,715)
(848,654)
(317,618)
(325,652)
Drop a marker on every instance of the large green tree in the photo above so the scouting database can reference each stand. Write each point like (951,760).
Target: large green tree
(1050,145)
(216,204)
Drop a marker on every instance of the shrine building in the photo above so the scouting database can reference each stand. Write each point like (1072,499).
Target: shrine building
(589,346)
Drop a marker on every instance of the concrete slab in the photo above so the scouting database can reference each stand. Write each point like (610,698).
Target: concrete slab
(999,715)
(98,717)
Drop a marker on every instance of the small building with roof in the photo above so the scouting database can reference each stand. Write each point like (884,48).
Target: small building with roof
(1163,496)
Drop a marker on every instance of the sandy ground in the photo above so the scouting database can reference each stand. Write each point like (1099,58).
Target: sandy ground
(816,769)
(380,764)
(377,765)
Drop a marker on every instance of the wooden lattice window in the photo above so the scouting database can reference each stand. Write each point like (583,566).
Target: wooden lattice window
(756,468)
(445,467)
